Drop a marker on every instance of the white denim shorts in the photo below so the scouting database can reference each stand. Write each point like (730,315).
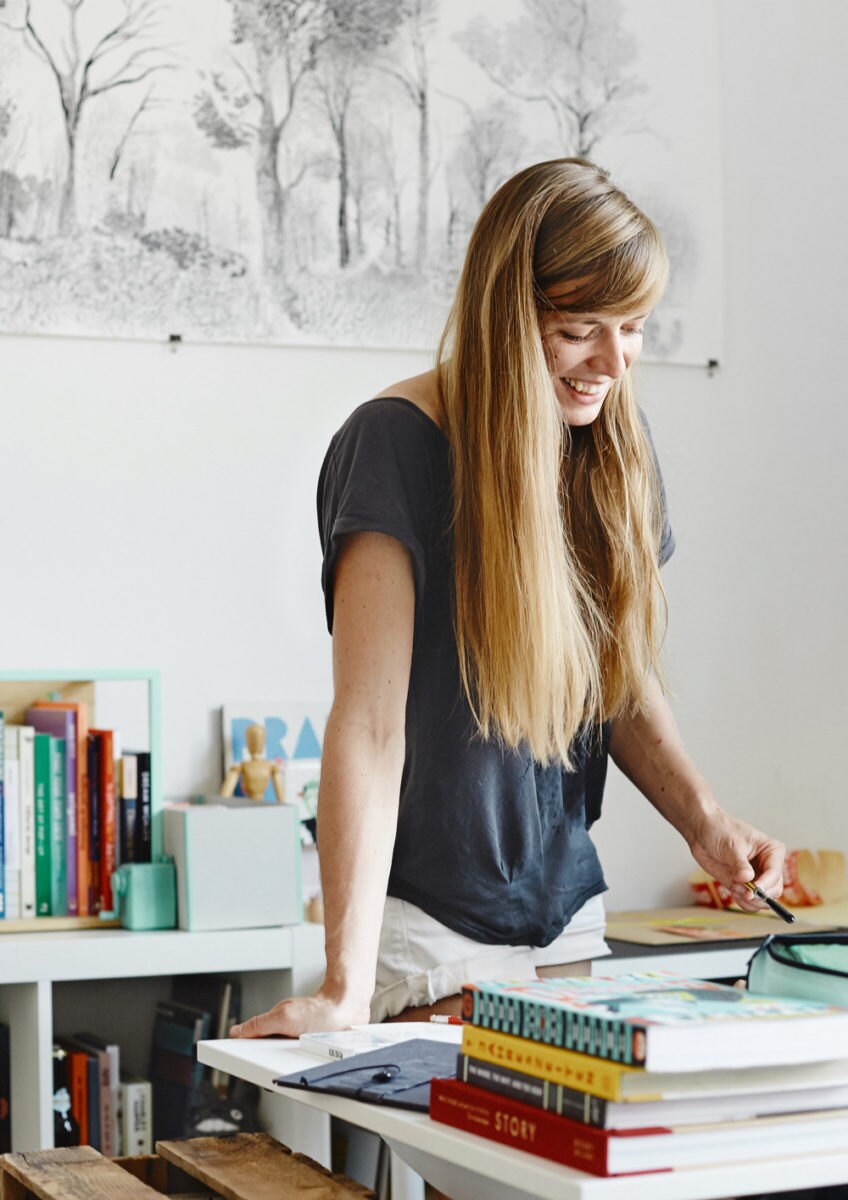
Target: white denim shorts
(420,960)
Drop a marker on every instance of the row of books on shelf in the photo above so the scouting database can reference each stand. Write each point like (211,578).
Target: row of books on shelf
(97,1102)
(647,1072)
(73,807)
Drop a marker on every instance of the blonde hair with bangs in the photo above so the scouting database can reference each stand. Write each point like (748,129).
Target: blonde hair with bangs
(557,596)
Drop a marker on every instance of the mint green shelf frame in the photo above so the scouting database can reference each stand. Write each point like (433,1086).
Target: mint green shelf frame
(154,716)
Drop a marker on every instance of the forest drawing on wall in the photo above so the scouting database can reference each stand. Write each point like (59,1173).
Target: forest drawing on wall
(308,171)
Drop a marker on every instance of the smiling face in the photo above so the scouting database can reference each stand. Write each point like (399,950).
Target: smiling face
(586,354)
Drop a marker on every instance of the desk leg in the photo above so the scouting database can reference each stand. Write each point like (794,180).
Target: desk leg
(406,1184)
(303,1129)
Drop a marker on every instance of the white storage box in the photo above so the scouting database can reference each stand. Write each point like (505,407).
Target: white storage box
(238,863)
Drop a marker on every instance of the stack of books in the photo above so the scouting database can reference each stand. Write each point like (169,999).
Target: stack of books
(73,806)
(647,1072)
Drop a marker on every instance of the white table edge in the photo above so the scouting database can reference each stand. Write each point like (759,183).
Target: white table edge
(261,1061)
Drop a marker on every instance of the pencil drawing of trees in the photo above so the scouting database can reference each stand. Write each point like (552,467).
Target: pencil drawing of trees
(276,48)
(386,156)
(488,150)
(85,66)
(572,56)
(357,29)
(412,72)
(309,171)
(8,179)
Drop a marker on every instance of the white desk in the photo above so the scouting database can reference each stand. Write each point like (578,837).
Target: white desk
(468,1167)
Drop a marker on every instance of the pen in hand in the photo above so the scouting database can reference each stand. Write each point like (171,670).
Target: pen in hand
(783,913)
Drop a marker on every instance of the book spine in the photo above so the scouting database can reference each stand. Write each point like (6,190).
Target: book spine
(58,881)
(107,1118)
(93,757)
(144,817)
(83,832)
(5,1093)
(78,1084)
(136,1117)
(12,824)
(554,1025)
(26,752)
(2,815)
(578,1071)
(519,1125)
(43,811)
(71,844)
(541,1093)
(106,776)
(129,806)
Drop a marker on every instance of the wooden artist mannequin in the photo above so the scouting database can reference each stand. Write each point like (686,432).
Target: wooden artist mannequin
(256,771)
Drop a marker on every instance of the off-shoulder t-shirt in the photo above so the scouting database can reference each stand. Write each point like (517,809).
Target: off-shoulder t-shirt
(489,842)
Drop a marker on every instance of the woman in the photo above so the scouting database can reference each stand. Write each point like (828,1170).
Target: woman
(493,531)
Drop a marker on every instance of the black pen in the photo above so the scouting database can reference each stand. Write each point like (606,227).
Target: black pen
(783,913)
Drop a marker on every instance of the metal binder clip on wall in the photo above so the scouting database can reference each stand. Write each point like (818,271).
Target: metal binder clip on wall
(146,894)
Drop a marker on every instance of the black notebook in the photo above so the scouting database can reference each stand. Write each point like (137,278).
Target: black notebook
(399,1074)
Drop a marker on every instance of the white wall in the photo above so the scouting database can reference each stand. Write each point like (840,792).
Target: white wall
(158,507)
(755,464)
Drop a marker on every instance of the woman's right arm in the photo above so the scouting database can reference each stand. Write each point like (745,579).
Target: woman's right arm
(361,766)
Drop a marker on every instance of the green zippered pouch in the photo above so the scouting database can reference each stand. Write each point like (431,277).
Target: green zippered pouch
(810,966)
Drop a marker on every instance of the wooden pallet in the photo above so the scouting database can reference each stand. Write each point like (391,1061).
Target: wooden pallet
(247,1166)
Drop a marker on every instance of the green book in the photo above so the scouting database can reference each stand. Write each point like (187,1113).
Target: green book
(43,810)
(58,881)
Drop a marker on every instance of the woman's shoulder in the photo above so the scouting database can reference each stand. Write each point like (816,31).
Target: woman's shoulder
(419,392)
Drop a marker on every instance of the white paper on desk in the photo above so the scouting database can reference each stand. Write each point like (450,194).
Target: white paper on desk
(361,1038)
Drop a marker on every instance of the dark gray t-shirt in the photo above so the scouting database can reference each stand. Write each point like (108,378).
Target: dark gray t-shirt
(489,842)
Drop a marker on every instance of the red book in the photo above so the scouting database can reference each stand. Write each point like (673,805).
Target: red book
(77,1069)
(81,711)
(522,1126)
(106,775)
(627,1152)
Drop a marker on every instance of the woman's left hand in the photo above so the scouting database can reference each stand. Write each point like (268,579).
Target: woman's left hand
(735,853)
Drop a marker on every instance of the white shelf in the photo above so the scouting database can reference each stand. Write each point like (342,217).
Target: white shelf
(289,959)
(121,954)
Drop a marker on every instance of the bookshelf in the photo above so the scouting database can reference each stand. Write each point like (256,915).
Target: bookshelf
(116,696)
(43,975)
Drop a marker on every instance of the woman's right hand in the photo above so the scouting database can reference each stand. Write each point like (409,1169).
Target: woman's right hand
(303,1014)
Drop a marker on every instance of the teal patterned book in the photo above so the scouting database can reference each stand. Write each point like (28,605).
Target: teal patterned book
(43,760)
(660,1021)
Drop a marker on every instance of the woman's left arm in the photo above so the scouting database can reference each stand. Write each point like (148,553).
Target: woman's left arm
(649,750)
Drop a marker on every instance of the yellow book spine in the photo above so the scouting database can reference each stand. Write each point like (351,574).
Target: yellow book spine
(579,1071)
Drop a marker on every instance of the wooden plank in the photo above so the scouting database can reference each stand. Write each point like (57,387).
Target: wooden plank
(11,1188)
(254,1166)
(73,1173)
(17,695)
(149,1168)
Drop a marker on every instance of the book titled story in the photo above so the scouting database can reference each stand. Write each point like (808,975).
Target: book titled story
(610,1152)
(660,1021)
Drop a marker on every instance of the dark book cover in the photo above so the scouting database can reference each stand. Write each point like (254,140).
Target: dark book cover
(94,825)
(106,778)
(541,1093)
(5,1092)
(143,814)
(129,807)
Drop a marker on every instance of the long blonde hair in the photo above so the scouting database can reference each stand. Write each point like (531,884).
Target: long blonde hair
(557,596)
